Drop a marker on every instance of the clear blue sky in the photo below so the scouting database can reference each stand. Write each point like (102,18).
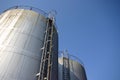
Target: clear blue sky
(89,29)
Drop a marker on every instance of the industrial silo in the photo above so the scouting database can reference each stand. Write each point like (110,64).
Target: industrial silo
(28,45)
(70,68)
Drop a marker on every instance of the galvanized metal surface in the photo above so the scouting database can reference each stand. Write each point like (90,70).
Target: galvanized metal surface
(76,70)
(21,38)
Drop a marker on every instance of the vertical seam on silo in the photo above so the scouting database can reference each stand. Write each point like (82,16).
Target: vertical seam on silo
(19,30)
(17,63)
(30,33)
(28,40)
(23,30)
(21,66)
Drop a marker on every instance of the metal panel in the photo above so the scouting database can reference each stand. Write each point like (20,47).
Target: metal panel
(21,38)
(76,70)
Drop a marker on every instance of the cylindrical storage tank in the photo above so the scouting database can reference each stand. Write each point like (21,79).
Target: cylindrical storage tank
(74,70)
(22,33)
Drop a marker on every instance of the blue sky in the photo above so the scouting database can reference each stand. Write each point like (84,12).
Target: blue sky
(89,29)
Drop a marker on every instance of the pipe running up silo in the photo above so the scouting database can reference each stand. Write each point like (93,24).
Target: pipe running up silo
(23,46)
(70,68)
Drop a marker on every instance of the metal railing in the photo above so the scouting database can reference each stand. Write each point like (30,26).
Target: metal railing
(28,8)
(34,9)
(71,57)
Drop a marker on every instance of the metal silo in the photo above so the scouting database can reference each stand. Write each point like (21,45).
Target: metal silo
(70,68)
(28,42)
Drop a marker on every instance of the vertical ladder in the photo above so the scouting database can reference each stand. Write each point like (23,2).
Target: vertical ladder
(51,32)
(46,63)
(66,67)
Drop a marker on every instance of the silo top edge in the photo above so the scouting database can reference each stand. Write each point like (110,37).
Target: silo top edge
(29,8)
(72,57)
(39,11)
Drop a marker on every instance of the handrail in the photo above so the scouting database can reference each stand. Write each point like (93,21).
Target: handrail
(71,57)
(28,8)
(32,8)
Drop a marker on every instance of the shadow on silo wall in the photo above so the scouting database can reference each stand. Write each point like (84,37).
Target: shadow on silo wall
(54,72)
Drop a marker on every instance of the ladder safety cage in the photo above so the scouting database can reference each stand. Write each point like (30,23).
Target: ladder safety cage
(46,60)
(66,66)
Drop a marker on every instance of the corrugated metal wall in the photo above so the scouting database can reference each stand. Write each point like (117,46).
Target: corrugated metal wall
(21,38)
